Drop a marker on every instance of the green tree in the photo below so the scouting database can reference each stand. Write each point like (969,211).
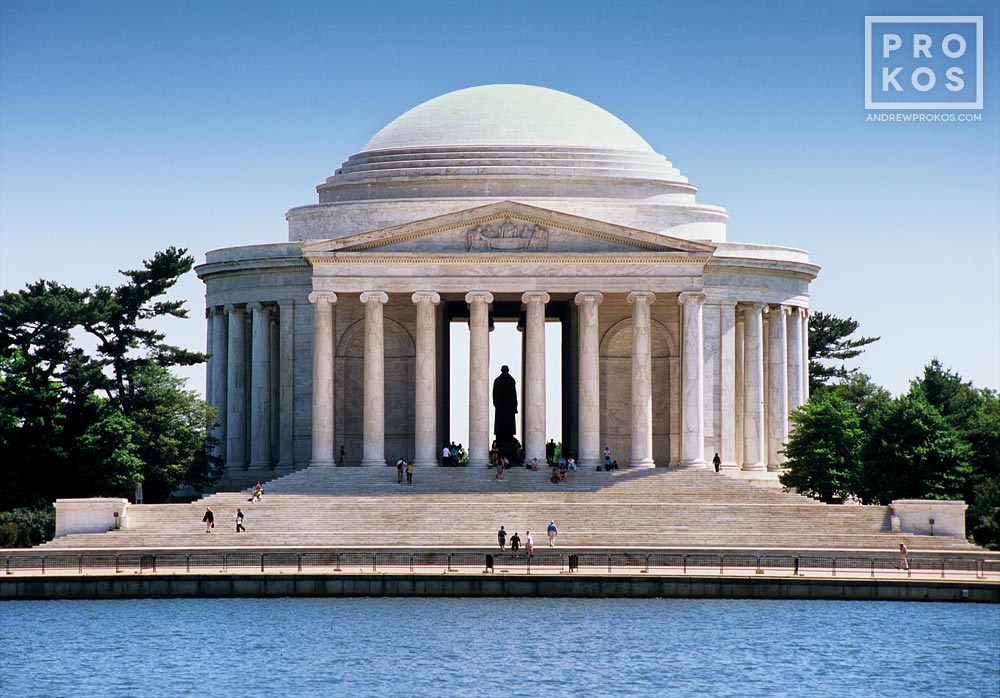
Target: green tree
(77,423)
(824,448)
(913,452)
(830,341)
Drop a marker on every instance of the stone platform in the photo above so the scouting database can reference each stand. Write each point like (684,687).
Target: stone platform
(462,508)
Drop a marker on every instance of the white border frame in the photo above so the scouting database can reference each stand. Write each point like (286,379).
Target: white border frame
(923,19)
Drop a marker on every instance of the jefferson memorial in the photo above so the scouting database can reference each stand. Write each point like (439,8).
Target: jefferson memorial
(506,203)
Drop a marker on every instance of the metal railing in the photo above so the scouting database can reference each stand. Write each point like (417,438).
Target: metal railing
(545,562)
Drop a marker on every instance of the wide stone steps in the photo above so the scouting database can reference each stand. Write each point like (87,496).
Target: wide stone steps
(463,507)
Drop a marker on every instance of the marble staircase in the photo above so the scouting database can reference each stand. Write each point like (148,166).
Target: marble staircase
(463,507)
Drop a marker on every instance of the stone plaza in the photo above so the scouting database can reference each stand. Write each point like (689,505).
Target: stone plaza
(506,203)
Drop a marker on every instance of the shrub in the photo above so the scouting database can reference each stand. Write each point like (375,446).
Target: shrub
(24,528)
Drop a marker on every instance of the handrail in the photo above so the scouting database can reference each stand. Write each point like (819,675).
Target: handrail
(673,563)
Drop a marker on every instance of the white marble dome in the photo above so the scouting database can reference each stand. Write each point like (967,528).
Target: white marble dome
(511,115)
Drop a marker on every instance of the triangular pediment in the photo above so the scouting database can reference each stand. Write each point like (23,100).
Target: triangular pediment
(507,227)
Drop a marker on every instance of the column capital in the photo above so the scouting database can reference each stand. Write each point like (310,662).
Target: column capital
(255,306)
(588,297)
(325,296)
(800,311)
(643,296)
(691,297)
(286,303)
(426,297)
(535,297)
(725,303)
(231,308)
(374,296)
(473,296)
(755,306)
(782,309)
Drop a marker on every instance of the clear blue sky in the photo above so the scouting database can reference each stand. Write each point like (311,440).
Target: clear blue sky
(129,126)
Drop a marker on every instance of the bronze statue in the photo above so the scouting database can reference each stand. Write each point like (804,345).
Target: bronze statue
(505,403)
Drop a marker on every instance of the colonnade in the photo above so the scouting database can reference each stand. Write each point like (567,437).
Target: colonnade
(255,373)
(258,367)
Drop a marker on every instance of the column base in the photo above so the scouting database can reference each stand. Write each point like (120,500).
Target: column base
(281,470)
(730,467)
(372,462)
(321,463)
(693,464)
(583,464)
(754,468)
(425,463)
(644,463)
(775,468)
(261,470)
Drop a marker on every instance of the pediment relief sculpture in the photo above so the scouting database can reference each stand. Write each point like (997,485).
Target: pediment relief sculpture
(508,235)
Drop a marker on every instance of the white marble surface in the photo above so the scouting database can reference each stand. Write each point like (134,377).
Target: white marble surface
(286,385)
(777,388)
(692,383)
(260,387)
(425,449)
(220,369)
(322,378)
(373,448)
(93,515)
(479,377)
(753,404)
(236,446)
(588,394)
(534,362)
(641,443)
(915,516)
(727,385)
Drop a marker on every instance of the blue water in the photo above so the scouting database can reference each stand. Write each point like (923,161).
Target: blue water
(497,647)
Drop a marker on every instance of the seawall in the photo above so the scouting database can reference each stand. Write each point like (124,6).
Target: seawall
(250,585)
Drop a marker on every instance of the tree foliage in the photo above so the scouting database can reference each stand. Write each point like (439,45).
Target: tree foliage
(824,453)
(85,423)
(940,440)
(830,341)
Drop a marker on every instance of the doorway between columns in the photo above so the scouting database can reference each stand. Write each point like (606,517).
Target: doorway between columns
(507,320)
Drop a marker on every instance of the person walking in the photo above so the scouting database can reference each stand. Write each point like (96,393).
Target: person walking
(409,473)
(904,562)
(502,539)
(399,470)
(529,544)
(515,544)
(552,530)
(209,519)
(717,462)
(239,521)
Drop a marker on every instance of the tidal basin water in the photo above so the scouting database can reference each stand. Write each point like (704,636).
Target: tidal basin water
(497,647)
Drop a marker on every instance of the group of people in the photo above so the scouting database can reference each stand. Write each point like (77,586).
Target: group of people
(515,543)
(452,454)
(403,465)
(529,542)
(610,464)
(209,520)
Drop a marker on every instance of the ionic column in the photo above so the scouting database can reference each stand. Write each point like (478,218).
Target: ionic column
(777,389)
(641,451)
(425,402)
(727,385)
(479,376)
(805,354)
(373,449)
(534,364)
(236,446)
(220,369)
(740,386)
(693,380)
(795,388)
(753,392)
(210,358)
(286,385)
(322,378)
(260,388)
(589,390)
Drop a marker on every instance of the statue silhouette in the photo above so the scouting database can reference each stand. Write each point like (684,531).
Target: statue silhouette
(505,403)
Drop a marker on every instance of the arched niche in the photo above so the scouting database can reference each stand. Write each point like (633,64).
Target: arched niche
(400,357)
(616,391)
